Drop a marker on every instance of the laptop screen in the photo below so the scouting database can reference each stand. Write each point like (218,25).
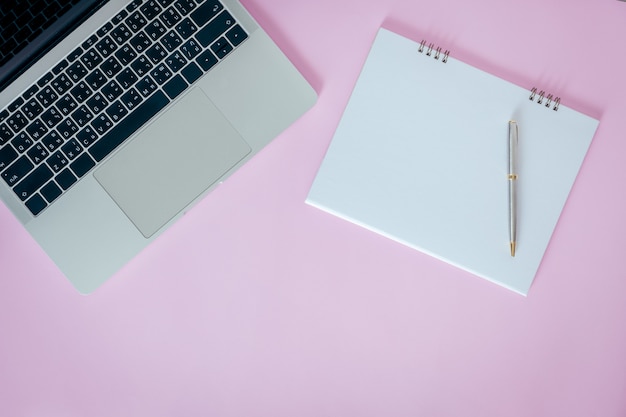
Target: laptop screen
(29,28)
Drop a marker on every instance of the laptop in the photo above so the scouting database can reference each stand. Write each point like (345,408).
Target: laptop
(116,116)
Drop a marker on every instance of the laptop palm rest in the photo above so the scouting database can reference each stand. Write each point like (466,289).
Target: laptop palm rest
(172,162)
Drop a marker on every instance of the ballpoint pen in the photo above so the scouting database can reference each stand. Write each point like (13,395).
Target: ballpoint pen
(512,177)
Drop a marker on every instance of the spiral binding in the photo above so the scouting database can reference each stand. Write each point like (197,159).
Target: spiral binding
(437,51)
(550,100)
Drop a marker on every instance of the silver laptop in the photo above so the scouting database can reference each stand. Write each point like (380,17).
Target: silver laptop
(116,116)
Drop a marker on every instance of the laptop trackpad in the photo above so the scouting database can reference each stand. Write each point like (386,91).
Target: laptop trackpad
(173,161)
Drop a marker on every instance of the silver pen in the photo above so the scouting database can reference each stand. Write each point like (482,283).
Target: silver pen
(513,185)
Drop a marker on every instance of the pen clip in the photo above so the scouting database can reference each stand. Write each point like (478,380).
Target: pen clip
(513,137)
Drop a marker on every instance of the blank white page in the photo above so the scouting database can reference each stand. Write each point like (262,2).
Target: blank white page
(420,156)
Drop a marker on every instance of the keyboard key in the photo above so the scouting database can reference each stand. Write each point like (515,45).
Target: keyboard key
(67,128)
(136,22)
(22,142)
(206,12)
(236,35)
(146,86)
(37,153)
(7,48)
(20,168)
(171,41)
(121,34)
(140,42)
(47,96)
(155,30)
(16,104)
(48,77)
(126,79)
(82,116)
(81,92)
(66,105)
(33,182)
(32,109)
(106,28)
(156,53)
(111,67)
(91,59)
(76,71)
(106,46)
(51,117)
(51,192)
(151,9)
(206,60)
(65,179)
(96,79)
(73,56)
(17,121)
(131,99)
(120,17)
(61,84)
(87,136)
(190,49)
(141,65)
(175,86)
(128,126)
(30,92)
(126,54)
(7,155)
(116,111)
(59,67)
(91,41)
(38,22)
(185,6)
(186,28)
(161,74)
(97,103)
(191,72)
(214,30)
(52,141)
(57,161)
(36,129)
(170,17)
(36,204)
(102,124)
(6,134)
(176,61)
(71,149)
(82,165)
(133,6)
(221,47)
(112,90)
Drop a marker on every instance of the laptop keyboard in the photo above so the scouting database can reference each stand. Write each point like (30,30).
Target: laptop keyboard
(107,88)
(22,21)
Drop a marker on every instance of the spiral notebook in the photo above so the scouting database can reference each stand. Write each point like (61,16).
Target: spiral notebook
(420,156)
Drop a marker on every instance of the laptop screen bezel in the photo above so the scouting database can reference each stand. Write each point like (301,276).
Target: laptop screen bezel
(50,37)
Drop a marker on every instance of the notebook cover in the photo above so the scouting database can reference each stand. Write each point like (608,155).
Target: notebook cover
(420,156)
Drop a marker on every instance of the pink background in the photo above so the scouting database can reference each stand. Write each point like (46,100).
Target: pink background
(255,304)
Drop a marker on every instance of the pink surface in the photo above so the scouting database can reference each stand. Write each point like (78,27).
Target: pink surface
(255,304)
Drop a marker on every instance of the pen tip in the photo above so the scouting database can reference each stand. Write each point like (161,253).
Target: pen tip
(512,248)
